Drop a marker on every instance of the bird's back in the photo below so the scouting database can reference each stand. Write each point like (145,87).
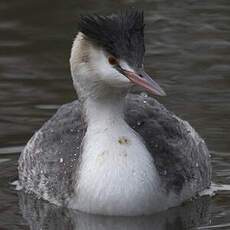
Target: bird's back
(48,162)
(180,154)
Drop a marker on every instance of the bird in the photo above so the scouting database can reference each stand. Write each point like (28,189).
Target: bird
(113,152)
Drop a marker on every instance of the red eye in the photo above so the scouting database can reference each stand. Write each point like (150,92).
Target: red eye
(112,60)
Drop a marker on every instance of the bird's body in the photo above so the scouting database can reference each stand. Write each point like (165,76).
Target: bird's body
(110,153)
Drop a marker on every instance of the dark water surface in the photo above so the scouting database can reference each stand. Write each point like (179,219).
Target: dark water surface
(188,51)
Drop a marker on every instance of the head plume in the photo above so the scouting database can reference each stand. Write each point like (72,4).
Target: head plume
(121,35)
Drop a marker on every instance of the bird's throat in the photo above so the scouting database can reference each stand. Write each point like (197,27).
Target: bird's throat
(104,111)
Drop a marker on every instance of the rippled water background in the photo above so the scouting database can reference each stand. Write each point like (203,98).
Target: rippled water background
(187,50)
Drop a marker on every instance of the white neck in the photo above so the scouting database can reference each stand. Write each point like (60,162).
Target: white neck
(106,110)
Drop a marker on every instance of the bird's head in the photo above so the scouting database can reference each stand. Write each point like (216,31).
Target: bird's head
(108,54)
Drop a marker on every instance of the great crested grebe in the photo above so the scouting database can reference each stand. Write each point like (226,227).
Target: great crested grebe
(111,152)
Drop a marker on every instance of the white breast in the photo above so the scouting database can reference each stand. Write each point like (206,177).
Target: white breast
(117,173)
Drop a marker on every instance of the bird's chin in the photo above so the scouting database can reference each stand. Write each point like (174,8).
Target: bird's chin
(123,83)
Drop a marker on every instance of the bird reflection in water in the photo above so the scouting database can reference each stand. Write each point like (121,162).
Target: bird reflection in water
(40,214)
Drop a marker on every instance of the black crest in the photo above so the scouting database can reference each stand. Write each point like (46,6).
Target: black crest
(122,35)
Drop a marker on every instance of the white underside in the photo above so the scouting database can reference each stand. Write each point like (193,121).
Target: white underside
(117,173)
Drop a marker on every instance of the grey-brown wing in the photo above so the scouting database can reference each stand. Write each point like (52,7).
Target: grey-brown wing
(49,160)
(180,155)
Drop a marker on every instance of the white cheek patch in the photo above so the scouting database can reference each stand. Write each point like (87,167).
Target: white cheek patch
(101,65)
(98,70)
(107,72)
